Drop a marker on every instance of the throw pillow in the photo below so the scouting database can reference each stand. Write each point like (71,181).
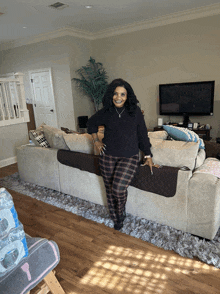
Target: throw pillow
(38,138)
(55,137)
(195,138)
(183,134)
(80,142)
(174,153)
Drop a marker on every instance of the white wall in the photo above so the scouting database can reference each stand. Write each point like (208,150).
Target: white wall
(11,137)
(63,55)
(183,52)
(78,57)
(187,51)
(52,55)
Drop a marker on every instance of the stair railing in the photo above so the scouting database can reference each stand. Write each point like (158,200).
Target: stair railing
(13,109)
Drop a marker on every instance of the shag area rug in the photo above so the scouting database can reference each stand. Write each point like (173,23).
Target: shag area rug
(162,236)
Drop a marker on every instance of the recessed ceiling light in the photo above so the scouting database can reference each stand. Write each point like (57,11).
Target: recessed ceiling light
(24,27)
(88,6)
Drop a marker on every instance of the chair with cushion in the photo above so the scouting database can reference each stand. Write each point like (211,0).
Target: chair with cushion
(43,257)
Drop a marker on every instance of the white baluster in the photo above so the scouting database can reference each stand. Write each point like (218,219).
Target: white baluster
(12,93)
(23,108)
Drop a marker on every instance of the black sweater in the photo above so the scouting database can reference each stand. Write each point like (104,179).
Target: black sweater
(123,136)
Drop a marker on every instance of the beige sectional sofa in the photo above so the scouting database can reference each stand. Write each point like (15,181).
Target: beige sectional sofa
(195,207)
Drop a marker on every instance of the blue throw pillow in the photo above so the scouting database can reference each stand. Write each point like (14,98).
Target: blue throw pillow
(183,134)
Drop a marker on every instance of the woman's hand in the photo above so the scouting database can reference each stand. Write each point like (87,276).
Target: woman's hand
(100,146)
(149,161)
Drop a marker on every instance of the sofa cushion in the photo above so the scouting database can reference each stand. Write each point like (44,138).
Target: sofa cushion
(200,158)
(210,166)
(80,142)
(55,137)
(38,138)
(174,153)
(183,134)
(158,135)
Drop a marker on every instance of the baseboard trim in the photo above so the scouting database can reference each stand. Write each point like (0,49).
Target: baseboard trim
(8,161)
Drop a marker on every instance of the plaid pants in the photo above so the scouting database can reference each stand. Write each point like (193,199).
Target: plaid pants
(117,173)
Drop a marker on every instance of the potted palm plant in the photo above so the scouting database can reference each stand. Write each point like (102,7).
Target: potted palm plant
(92,81)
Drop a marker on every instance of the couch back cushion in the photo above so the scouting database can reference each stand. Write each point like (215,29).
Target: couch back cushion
(80,142)
(174,153)
(200,158)
(55,137)
(158,135)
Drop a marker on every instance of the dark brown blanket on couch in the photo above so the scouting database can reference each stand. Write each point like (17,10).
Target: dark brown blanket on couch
(163,181)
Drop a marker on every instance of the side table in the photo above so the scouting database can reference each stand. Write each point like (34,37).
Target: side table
(212,148)
(203,133)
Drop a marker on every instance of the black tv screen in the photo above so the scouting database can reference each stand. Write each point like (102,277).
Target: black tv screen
(187,98)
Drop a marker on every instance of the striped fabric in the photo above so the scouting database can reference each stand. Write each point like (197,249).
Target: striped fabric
(117,173)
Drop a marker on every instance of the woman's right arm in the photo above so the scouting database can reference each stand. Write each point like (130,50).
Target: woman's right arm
(93,123)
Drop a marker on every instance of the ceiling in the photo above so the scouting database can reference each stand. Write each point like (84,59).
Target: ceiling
(25,19)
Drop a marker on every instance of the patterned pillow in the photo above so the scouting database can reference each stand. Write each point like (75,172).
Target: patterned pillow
(38,138)
(183,134)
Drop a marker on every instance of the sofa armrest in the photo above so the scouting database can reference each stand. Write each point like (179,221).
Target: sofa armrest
(204,205)
(170,211)
(39,166)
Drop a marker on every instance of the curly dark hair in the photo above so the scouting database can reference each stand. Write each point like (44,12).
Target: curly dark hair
(130,103)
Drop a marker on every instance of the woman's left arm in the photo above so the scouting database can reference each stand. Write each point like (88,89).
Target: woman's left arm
(143,140)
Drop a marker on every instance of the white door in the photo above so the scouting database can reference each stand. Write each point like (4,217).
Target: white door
(43,97)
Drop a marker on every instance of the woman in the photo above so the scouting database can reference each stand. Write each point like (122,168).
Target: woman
(125,133)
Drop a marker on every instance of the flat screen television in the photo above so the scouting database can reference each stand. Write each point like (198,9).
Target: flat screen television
(194,98)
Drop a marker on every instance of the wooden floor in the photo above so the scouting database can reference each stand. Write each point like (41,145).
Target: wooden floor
(96,259)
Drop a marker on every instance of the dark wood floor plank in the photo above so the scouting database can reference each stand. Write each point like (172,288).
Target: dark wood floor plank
(8,170)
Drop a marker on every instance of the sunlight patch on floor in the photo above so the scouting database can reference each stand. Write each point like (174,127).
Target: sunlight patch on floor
(127,270)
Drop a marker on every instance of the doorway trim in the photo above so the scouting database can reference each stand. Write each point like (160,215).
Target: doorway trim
(49,70)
